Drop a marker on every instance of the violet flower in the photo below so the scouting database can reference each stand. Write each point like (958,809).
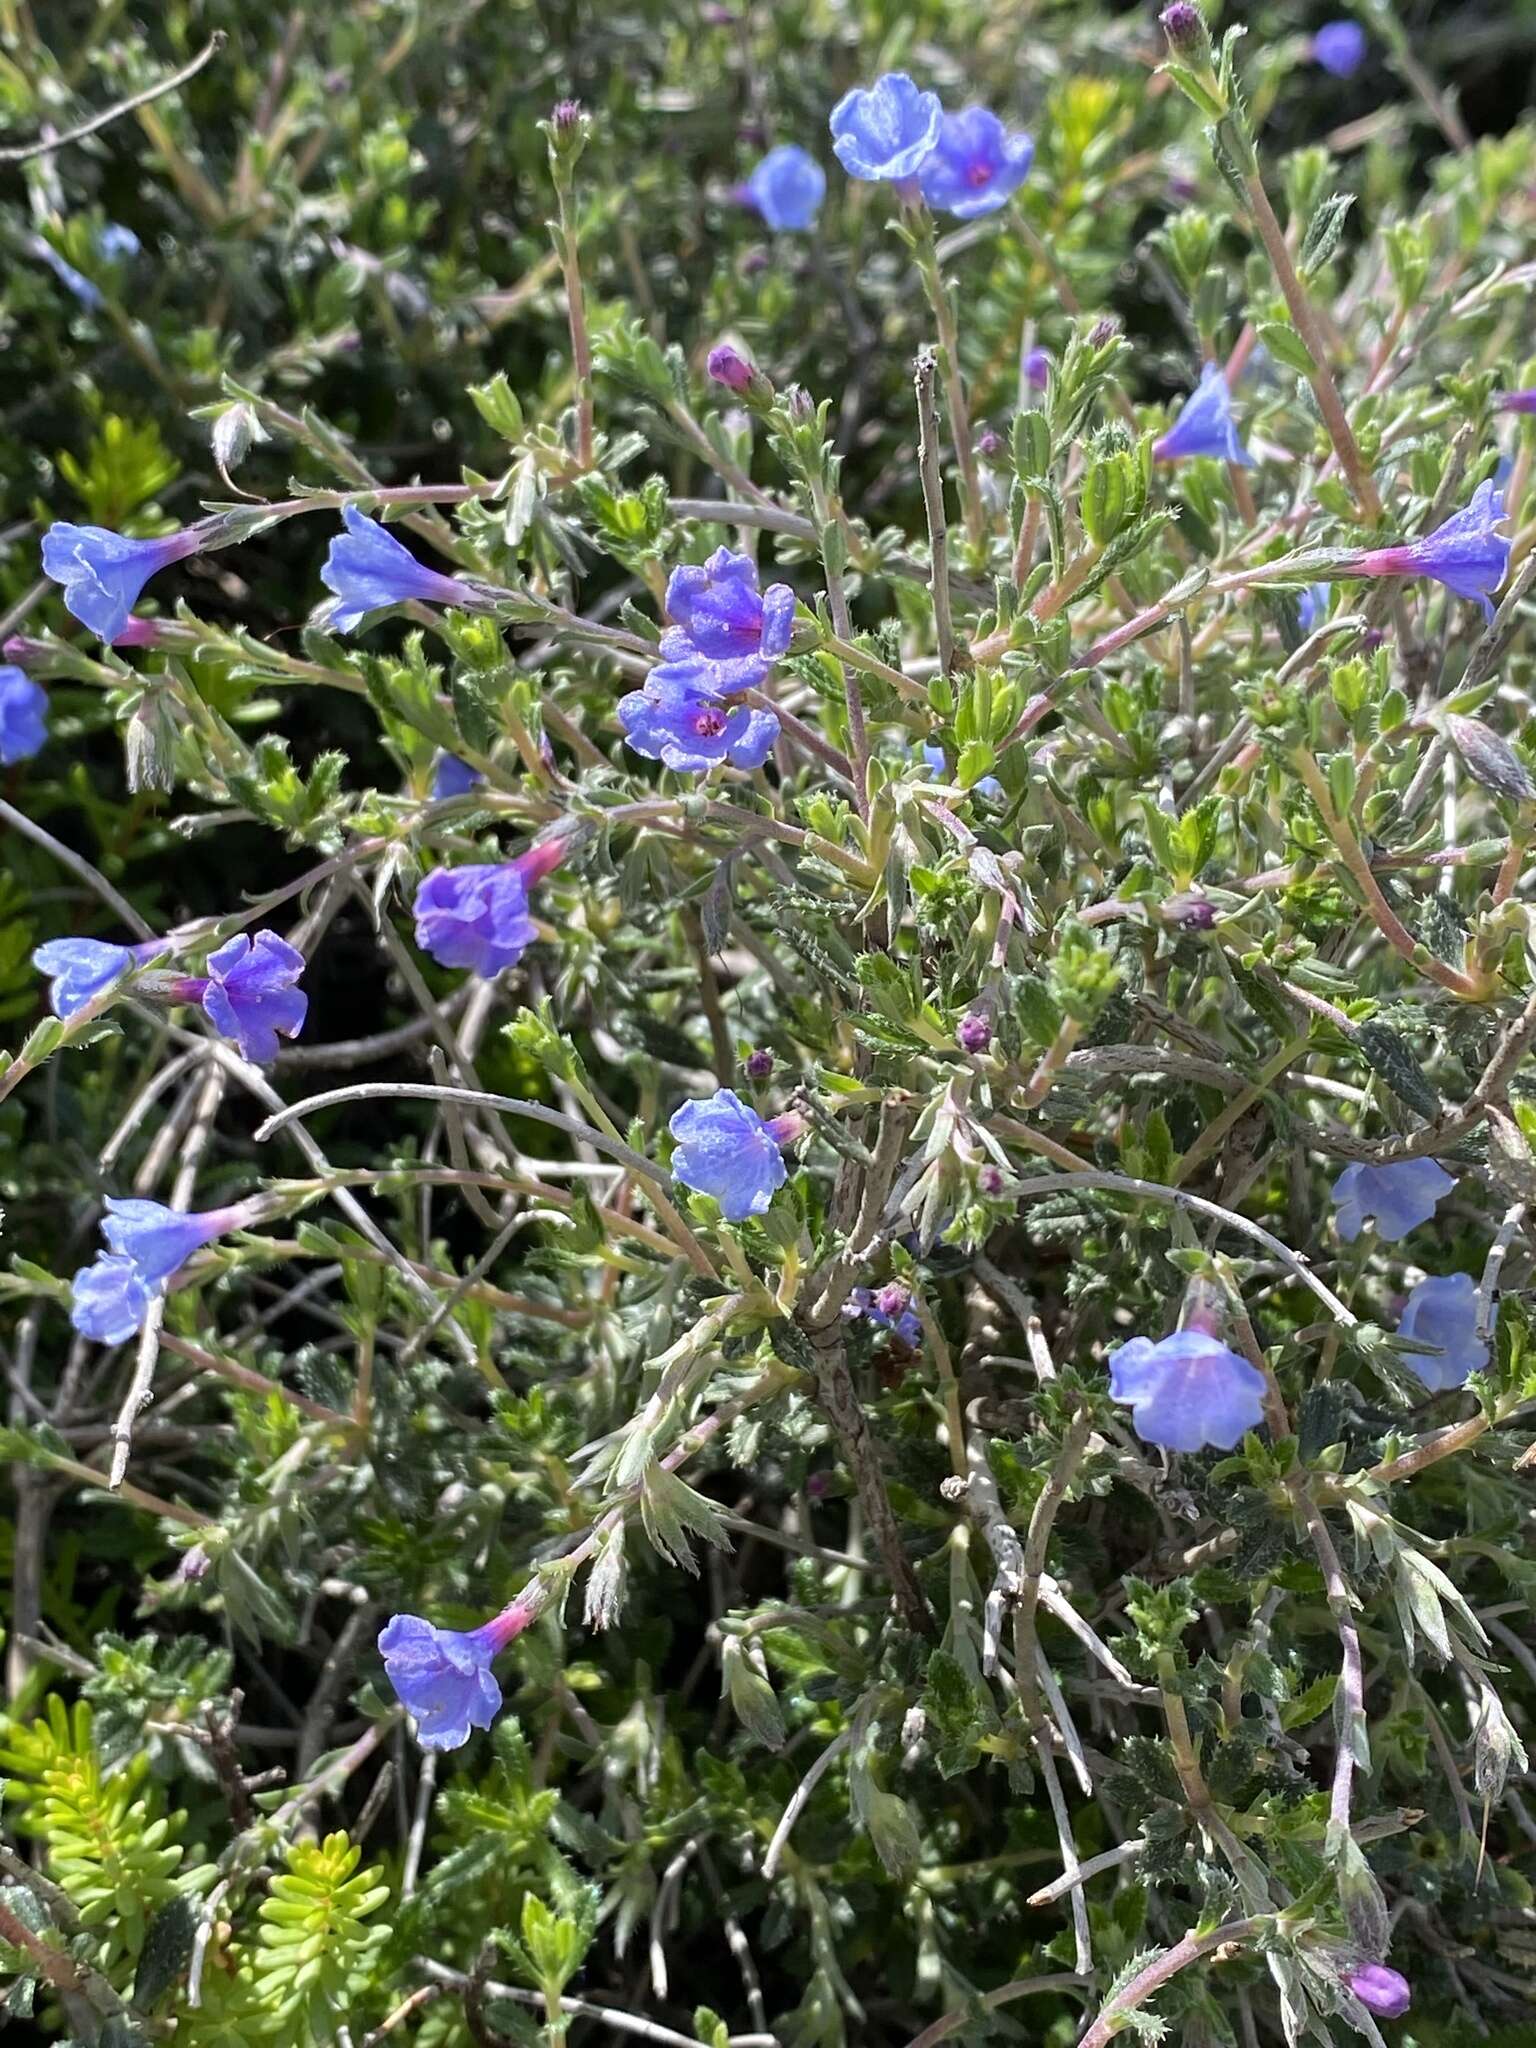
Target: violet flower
(1396,1198)
(249,993)
(690,731)
(1312,607)
(1465,554)
(724,636)
(888,1308)
(80,969)
(725,1149)
(1205,426)
(369,570)
(157,1241)
(443,1676)
(976,165)
(23,717)
(453,777)
(108,1301)
(1516,401)
(1340,47)
(1441,1314)
(1187,1390)
(1382,1988)
(1037,369)
(885,130)
(102,573)
(477,916)
(726,367)
(787,188)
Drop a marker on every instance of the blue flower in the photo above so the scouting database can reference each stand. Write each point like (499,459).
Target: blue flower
(108,1301)
(787,188)
(72,280)
(1441,1314)
(1516,401)
(369,570)
(726,1150)
(1187,1390)
(1396,1198)
(887,1308)
(23,716)
(103,572)
(453,777)
(1340,47)
(886,130)
(1312,607)
(724,636)
(1037,369)
(250,994)
(1205,426)
(477,917)
(157,1241)
(81,968)
(690,731)
(115,243)
(443,1675)
(1465,554)
(975,165)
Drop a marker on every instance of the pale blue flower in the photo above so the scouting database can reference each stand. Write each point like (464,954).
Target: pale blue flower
(885,130)
(23,716)
(725,1149)
(1187,1391)
(108,1301)
(1441,1313)
(787,188)
(1340,47)
(1464,553)
(976,164)
(443,1676)
(1205,426)
(1397,1198)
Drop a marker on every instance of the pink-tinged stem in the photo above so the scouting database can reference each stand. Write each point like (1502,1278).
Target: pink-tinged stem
(1158,1972)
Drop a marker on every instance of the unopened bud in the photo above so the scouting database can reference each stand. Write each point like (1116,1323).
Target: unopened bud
(729,369)
(1188,36)
(974,1032)
(759,1064)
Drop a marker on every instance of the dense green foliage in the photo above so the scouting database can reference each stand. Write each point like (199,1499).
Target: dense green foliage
(852,1648)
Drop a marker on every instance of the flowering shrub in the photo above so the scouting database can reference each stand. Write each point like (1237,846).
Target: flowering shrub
(768,951)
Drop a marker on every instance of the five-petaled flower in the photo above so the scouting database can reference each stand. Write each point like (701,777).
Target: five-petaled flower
(369,570)
(477,916)
(249,993)
(725,1149)
(23,716)
(975,165)
(787,188)
(1396,1198)
(1382,1988)
(1340,47)
(1464,553)
(108,1301)
(443,1675)
(690,731)
(80,969)
(102,572)
(887,129)
(725,636)
(1205,426)
(1187,1390)
(1441,1315)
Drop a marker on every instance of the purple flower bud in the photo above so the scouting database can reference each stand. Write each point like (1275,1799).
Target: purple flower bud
(1190,911)
(195,1564)
(725,1149)
(886,130)
(818,1485)
(1205,426)
(1187,1390)
(888,1309)
(443,1676)
(759,1064)
(989,443)
(477,917)
(23,717)
(787,188)
(102,573)
(1397,1198)
(1037,369)
(1184,26)
(1464,553)
(892,1298)
(1516,401)
(728,368)
(250,994)
(564,115)
(369,570)
(81,968)
(108,1301)
(990,1180)
(1441,1314)
(1340,47)
(975,166)
(1383,1989)
(974,1031)
(142,633)
(1103,332)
